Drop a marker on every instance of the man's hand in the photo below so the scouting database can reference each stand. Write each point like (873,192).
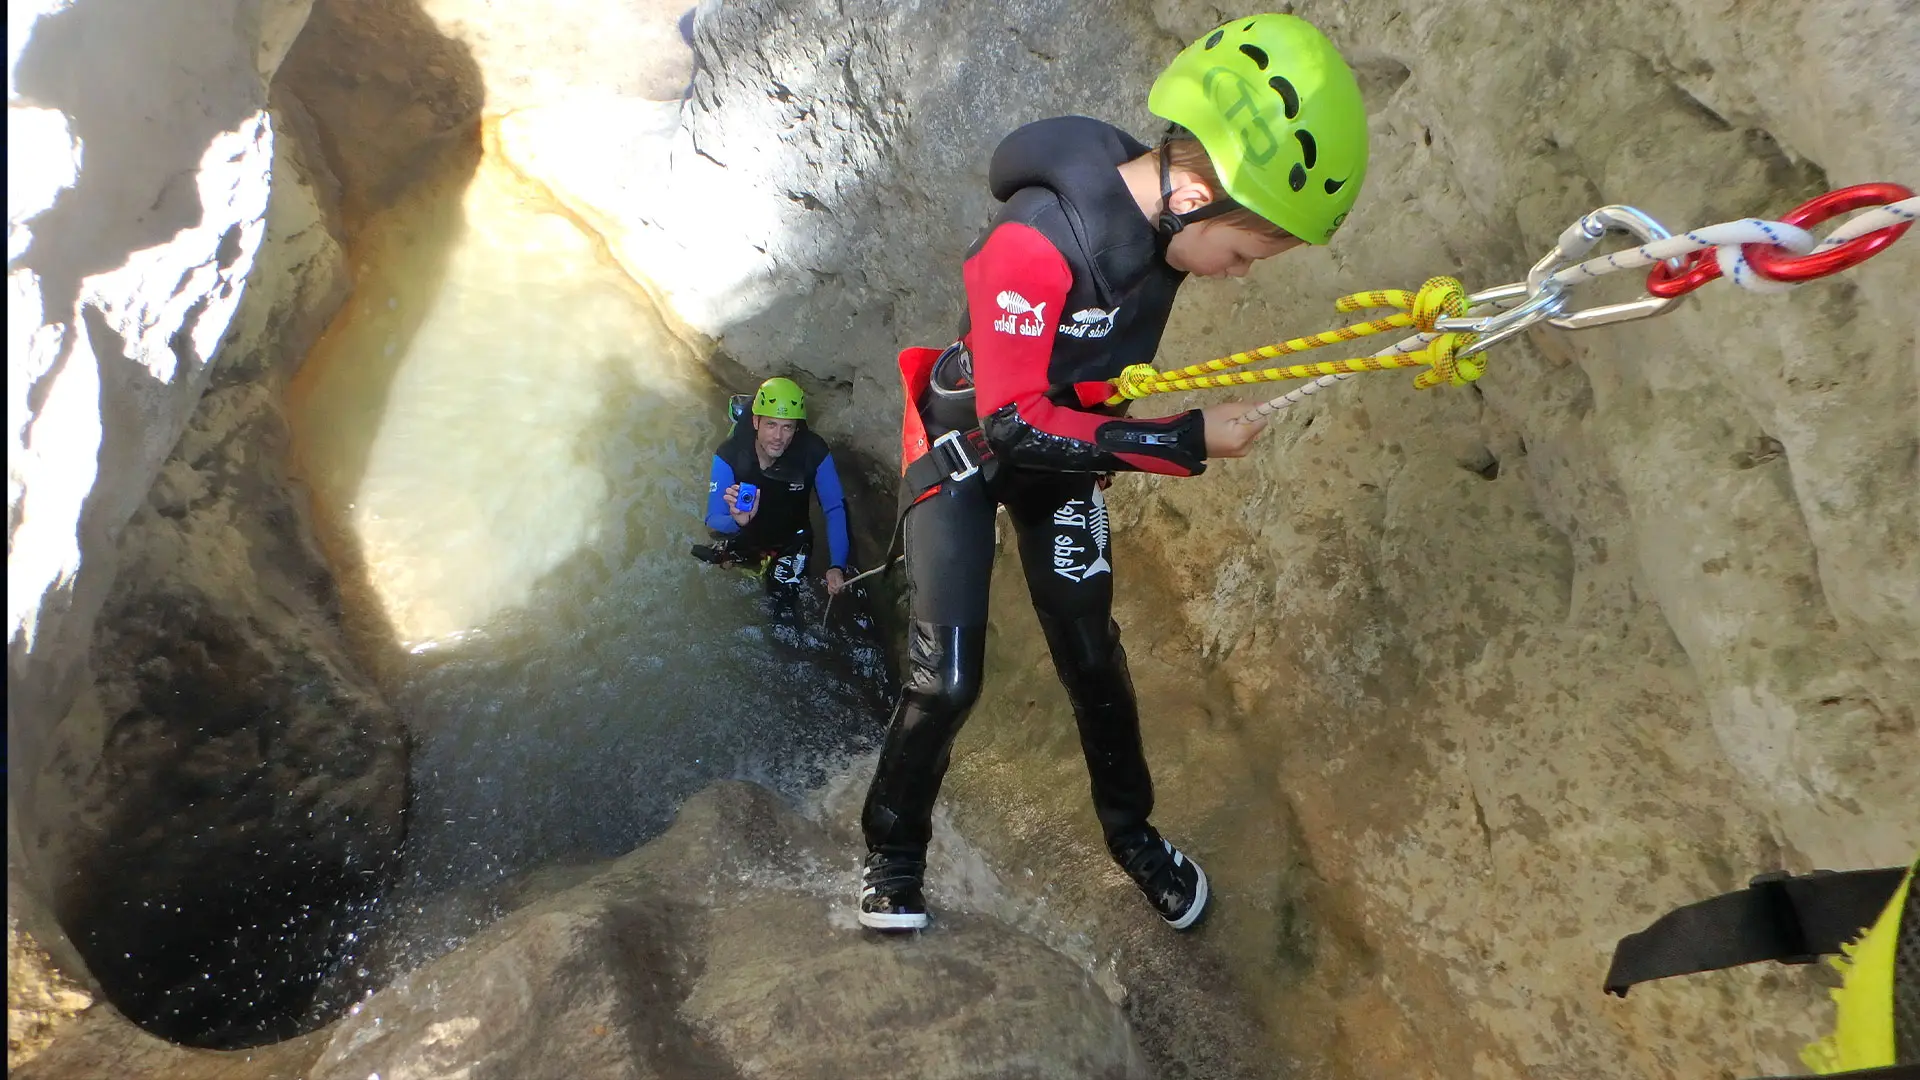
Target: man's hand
(836,580)
(731,497)
(1229,436)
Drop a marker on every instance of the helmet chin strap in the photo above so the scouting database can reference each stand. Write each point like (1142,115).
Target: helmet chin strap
(1169,223)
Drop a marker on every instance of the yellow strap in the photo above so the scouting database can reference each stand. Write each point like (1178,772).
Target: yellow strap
(1439,296)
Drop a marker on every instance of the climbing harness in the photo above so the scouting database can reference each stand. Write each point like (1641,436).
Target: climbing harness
(1456,328)
(1870,916)
(784,569)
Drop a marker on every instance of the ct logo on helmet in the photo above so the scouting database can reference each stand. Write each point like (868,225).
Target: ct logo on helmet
(1232,94)
(1248,92)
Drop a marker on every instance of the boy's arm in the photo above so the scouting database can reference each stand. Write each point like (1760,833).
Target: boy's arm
(718,518)
(1016,286)
(833,506)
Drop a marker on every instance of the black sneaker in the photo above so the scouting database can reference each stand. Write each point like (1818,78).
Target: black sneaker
(1174,884)
(890,897)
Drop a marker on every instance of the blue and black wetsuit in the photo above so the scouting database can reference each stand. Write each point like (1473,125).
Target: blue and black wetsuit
(780,528)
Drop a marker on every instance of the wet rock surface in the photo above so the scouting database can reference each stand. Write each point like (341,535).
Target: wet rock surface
(727,948)
(40,1000)
(248,797)
(214,791)
(101,1042)
(133,234)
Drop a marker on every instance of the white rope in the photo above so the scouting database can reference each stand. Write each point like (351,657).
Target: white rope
(1728,236)
(1872,220)
(1301,393)
(1727,233)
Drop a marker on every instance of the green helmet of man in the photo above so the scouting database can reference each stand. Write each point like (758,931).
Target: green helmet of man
(1279,113)
(781,399)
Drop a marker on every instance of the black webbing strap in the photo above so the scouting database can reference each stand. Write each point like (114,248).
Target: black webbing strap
(953,457)
(1884,1072)
(1791,920)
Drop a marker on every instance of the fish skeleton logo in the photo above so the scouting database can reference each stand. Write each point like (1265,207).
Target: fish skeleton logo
(1078,558)
(1090,322)
(1014,321)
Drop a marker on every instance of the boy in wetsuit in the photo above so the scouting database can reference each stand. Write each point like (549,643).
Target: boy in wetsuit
(1072,282)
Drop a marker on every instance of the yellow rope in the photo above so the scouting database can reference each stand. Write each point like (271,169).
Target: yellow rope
(1440,296)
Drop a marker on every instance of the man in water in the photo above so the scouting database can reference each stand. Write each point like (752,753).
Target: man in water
(785,464)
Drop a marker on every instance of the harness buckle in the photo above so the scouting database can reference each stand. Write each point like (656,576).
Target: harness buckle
(955,444)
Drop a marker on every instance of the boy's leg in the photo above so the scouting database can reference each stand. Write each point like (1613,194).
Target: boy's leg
(1061,521)
(1066,551)
(949,544)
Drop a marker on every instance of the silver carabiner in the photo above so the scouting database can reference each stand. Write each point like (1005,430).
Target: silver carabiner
(1523,314)
(1579,240)
(1540,307)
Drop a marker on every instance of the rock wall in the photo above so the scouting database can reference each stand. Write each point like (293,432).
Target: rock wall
(204,788)
(140,152)
(1488,677)
(237,785)
(1464,685)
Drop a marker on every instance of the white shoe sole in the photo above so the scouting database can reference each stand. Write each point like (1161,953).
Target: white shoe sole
(1199,905)
(878,921)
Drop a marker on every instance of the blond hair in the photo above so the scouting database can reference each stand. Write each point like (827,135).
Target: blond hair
(1185,152)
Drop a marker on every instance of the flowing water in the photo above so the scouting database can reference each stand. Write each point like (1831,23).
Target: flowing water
(506,451)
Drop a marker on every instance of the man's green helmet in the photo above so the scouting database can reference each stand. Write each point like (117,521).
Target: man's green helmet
(1279,113)
(781,399)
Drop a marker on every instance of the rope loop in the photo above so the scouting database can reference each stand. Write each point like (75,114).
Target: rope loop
(1438,297)
(1136,381)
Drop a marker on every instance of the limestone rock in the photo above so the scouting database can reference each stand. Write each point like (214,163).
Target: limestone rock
(394,98)
(235,786)
(39,998)
(1503,672)
(141,151)
(725,948)
(101,1042)
(537,55)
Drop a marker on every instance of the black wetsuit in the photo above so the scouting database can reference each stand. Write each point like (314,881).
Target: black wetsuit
(780,528)
(1066,287)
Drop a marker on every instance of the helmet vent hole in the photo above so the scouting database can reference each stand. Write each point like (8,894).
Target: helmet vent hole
(1297,179)
(1246,28)
(1214,38)
(1288,95)
(1257,54)
(1308,151)
(1333,186)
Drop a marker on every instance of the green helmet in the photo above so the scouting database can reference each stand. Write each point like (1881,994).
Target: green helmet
(1279,113)
(781,399)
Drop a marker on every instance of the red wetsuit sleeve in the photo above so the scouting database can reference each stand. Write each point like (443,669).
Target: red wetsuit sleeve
(1016,285)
